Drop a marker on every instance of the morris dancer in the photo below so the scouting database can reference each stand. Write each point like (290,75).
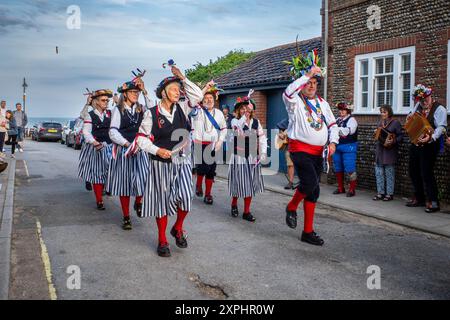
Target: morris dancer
(209,131)
(169,188)
(310,119)
(345,157)
(128,167)
(245,178)
(423,157)
(96,153)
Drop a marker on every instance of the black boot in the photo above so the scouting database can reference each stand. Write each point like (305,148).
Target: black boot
(208,200)
(312,238)
(234,212)
(138,209)
(164,250)
(88,186)
(199,192)
(291,218)
(101,206)
(127,224)
(248,217)
(180,239)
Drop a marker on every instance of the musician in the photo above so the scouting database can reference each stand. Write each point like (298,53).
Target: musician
(96,152)
(209,131)
(423,156)
(169,188)
(128,168)
(344,158)
(310,120)
(245,178)
(386,154)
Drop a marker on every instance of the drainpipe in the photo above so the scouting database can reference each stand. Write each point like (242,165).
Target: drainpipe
(325,90)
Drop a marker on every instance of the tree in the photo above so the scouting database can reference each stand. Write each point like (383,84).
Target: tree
(201,74)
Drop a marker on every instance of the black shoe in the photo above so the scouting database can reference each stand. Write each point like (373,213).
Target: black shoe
(337,191)
(101,206)
(432,209)
(88,186)
(351,194)
(291,219)
(248,217)
(234,212)
(164,250)
(127,224)
(312,238)
(289,186)
(199,193)
(180,239)
(138,209)
(208,200)
(414,204)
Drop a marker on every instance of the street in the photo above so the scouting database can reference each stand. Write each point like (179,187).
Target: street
(227,258)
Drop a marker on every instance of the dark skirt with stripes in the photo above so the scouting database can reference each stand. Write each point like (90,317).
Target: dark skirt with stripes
(127,176)
(245,177)
(93,165)
(169,187)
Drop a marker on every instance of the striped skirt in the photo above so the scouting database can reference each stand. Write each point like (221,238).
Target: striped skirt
(127,176)
(245,178)
(93,165)
(169,187)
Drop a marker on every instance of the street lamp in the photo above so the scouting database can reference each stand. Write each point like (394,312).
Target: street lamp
(24,85)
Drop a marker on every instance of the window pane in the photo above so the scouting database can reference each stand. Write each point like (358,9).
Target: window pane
(380,99)
(364,68)
(389,97)
(381,83)
(380,66)
(365,100)
(406,99)
(407,81)
(389,65)
(389,82)
(365,84)
(406,62)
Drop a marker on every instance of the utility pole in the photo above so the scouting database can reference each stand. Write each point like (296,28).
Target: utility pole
(24,85)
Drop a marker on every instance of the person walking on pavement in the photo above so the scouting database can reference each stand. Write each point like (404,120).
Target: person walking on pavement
(312,126)
(169,188)
(128,169)
(21,121)
(96,152)
(12,132)
(3,122)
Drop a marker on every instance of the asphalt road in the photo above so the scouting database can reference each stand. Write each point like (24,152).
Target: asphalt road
(227,258)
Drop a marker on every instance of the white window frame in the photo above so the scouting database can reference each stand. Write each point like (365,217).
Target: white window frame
(397,96)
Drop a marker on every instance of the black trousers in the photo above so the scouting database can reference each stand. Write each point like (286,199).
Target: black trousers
(308,168)
(204,167)
(2,140)
(421,170)
(12,141)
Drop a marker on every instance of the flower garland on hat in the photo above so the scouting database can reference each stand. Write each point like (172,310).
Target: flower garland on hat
(421,92)
(302,64)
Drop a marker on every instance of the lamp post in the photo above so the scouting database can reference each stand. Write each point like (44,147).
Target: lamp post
(24,85)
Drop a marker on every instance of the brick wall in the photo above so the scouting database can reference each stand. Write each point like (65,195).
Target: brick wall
(404,23)
(261,107)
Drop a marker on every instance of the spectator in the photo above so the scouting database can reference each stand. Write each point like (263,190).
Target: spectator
(21,121)
(3,108)
(12,132)
(3,130)
(386,155)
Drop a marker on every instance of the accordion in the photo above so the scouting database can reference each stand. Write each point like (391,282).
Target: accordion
(417,126)
(382,135)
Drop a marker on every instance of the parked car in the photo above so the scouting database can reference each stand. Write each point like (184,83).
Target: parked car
(47,131)
(66,130)
(75,137)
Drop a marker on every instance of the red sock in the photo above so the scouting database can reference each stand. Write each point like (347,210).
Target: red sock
(234,202)
(340,181)
(180,219)
(309,208)
(125,202)
(247,203)
(199,182)
(162,226)
(352,186)
(296,199)
(139,199)
(98,190)
(209,184)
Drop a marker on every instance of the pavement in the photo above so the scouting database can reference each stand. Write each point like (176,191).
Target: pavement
(57,229)
(394,211)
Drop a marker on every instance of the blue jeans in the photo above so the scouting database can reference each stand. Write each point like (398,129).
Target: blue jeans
(385,179)
(20,131)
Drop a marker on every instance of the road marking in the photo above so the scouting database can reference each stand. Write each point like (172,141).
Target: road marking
(46,261)
(26,168)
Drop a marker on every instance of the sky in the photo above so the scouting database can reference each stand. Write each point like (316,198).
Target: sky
(118,36)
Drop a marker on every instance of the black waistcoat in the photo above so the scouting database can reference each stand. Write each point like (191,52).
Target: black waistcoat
(350,138)
(129,124)
(162,130)
(253,131)
(100,130)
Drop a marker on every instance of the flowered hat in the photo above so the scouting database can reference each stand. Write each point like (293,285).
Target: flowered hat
(127,86)
(163,84)
(421,92)
(102,92)
(345,106)
(302,64)
(215,91)
(242,101)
